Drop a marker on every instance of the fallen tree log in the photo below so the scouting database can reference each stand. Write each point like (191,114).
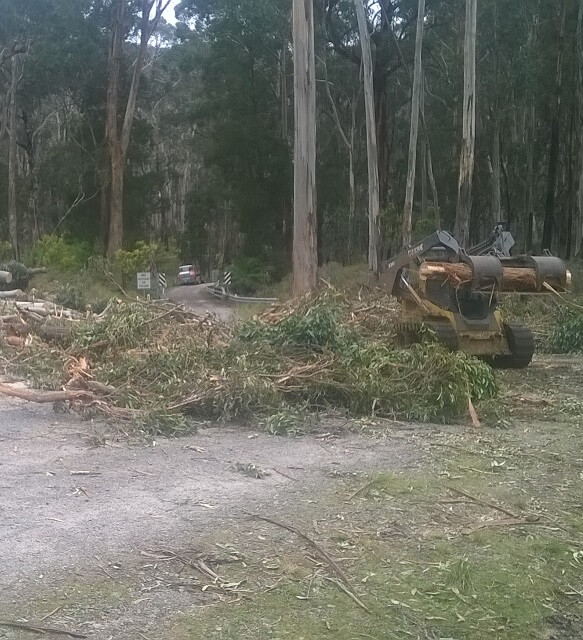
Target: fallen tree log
(519,279)
(44,397)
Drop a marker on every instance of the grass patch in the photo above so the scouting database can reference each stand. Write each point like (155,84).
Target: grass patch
(422,558)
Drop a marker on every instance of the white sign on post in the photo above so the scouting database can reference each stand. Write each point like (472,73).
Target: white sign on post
(144,280)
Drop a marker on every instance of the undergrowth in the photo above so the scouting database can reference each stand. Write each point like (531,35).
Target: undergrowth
(567,334)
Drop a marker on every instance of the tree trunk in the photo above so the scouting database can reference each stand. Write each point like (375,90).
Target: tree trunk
(529,187)
(371,140)
(423,178)
(434,196)
(283,93)
(428,161)
(305,251)
(118,141)
(12,160)
(414,128)
(114,243)
(116,201)
(550,222)
(578,218)
(466,174)
(496,182)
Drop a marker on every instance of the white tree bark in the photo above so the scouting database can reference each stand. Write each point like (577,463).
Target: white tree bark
(12,160)
(496,179)
(305,253)
(371,140)
(467,155)
(578,217)
(414,129)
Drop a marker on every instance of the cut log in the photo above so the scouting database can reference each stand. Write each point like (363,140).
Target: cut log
(519,279)
(10,295)
(14,341)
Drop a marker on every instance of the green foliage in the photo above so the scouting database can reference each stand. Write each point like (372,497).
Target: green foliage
(249,275)
(567,335)
(287,422)
(318,328)
(70,296)
(125,327)
(347,369)
(152,256)
(98,305)
(59,253)
(310,358)
(162,423)
(6,251)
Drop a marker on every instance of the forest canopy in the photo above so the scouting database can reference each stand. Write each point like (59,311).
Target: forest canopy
(118,125)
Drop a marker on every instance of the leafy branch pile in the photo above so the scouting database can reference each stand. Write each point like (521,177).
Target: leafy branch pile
(137,360)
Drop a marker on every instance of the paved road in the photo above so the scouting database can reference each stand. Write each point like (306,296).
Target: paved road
(197,298)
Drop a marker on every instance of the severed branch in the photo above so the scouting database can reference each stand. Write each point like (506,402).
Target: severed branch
(79,200)
(40,630)
(484,503)
(319,550)
(45,397)
(344,583)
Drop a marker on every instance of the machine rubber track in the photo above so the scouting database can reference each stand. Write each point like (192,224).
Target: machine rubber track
(521,343)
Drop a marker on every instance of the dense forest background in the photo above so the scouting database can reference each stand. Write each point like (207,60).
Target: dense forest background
(118,126)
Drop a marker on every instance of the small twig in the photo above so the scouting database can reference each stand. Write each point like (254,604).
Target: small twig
(484,503)
(320,551)
(509,522)
(285,475)
(38,629)
(349,593)
(52,613)
(104,569)
(360,490)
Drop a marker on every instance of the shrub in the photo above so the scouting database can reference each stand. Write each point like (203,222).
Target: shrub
(249,275)
(567,335)
(71,297)
(6,251)
(59,253)
(21,276)
(146,257)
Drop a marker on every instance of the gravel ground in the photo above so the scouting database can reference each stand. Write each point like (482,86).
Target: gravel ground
(79,508)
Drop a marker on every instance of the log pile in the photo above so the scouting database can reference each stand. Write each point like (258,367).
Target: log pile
(49,321)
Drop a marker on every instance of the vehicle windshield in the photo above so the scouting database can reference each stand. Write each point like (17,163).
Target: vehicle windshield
(185,269)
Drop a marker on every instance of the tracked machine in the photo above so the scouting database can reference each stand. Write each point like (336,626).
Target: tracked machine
(455,292)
